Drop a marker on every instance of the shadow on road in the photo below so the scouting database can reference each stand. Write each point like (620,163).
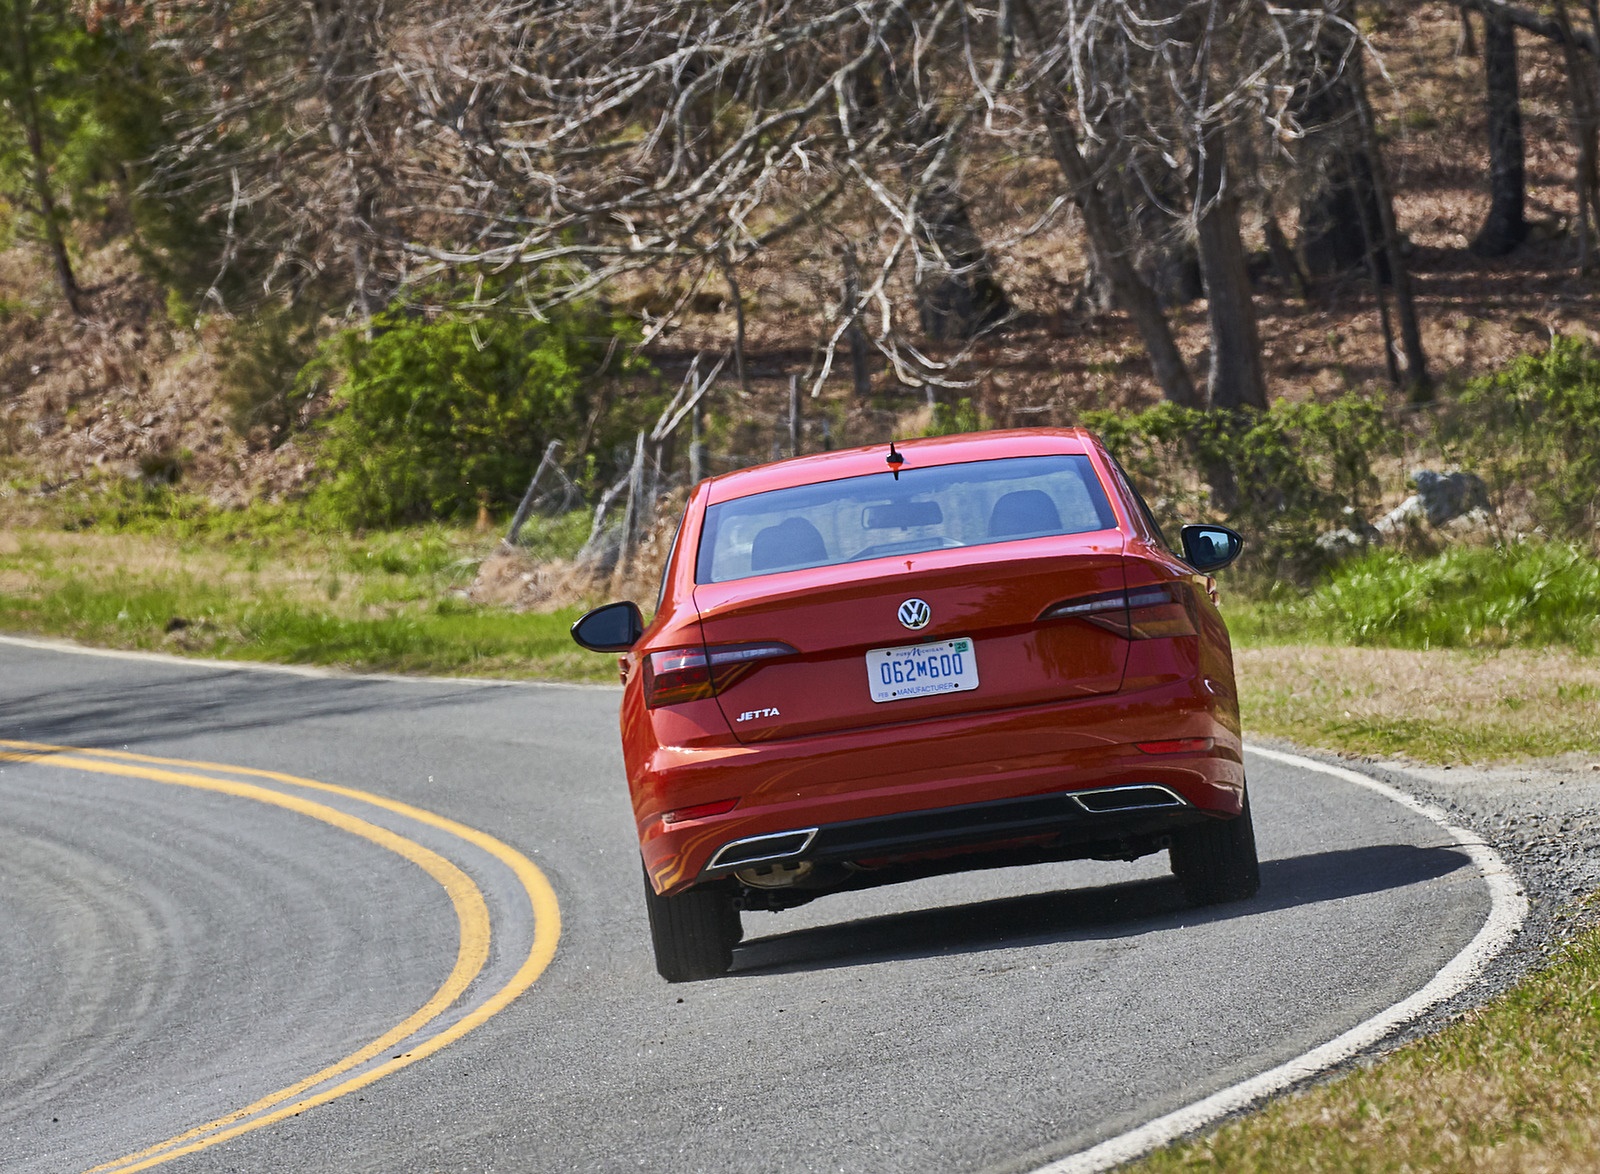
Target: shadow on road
(1110,911)
(118,715)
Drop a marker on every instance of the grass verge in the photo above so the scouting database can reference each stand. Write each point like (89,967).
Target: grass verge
(167,574)
(1509,1087)
(1472,655)
(390,602)
(1443,706)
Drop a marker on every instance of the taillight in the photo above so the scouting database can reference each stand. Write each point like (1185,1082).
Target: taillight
(1161,610)
(676,676)
(1145,613)
(694,674)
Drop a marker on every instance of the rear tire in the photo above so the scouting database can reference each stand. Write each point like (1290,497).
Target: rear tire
(693,933)
(1216,861)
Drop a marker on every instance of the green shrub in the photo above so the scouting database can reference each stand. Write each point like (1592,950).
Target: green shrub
(1282,477)
(961,416)
(435,415)
(267,371)
(1533,431)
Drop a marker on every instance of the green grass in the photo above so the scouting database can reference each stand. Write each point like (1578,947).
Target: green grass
(186,616)
(1512,1086)
(1520,595)
(159,571)
(1473,655)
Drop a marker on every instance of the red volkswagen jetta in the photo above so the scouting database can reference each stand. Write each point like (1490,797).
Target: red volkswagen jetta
(881,664)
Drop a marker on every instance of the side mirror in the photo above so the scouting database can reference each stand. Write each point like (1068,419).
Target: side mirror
(616,627)
(1210,548)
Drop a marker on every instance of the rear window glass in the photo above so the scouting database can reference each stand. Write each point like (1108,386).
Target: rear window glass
(935,508)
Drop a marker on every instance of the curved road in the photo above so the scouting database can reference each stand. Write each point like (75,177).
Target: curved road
(180,944)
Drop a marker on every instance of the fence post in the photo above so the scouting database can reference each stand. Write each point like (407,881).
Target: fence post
(697,449)
(794,415)
(525,507)
(856,338)
(632,518)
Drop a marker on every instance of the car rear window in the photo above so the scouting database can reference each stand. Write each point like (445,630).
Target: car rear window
(932,508)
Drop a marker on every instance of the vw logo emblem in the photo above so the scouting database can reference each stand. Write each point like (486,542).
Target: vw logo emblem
(915,613)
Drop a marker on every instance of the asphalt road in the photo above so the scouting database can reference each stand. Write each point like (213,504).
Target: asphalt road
(178,943)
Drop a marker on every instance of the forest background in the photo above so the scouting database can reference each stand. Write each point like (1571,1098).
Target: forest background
(297,298)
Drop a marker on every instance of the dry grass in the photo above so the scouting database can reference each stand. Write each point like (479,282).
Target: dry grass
(315,573)
(1439,706)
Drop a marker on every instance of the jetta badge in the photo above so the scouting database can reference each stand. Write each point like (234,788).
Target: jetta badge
(915,613)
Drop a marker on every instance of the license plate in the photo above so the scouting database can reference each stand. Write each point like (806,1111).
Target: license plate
(922,670)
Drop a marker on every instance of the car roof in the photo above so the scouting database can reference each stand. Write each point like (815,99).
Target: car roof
(872,458)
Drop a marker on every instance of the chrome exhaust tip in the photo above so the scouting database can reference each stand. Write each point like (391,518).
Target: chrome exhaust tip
(761,849)
(1131,797)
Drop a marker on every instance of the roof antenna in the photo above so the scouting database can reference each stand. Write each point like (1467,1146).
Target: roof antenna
(894,460)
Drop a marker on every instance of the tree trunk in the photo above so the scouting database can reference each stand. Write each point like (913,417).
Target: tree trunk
(1506,225)
(1163,254)
(1095,295)
(1339,196)
(1284,264)
(44,196)
(958,296)
(737,295)
(855,337)
(343,58)
(1236,379)
(1131,290)
(1417,378)
(1466,42)
(794,415)
(1586,178)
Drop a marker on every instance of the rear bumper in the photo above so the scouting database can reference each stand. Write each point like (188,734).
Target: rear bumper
(955,785)
(1044,821)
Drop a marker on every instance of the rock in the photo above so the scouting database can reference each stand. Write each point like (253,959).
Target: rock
(1449,495)
(1472,524)
(1352,538)
(1440,498)
(1340,543)
(1410,512)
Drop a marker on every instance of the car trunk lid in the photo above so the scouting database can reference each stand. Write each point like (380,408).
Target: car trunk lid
(991,595)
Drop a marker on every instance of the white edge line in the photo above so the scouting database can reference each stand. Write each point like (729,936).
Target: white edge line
(293,670)
(1507,909)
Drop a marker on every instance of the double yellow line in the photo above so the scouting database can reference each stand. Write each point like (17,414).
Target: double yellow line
(472,914)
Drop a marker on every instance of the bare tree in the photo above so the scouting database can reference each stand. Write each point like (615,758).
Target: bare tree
(583,146)
(287,138)
(1585,130)
(589,142)
(1144,92)
(1505,225)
